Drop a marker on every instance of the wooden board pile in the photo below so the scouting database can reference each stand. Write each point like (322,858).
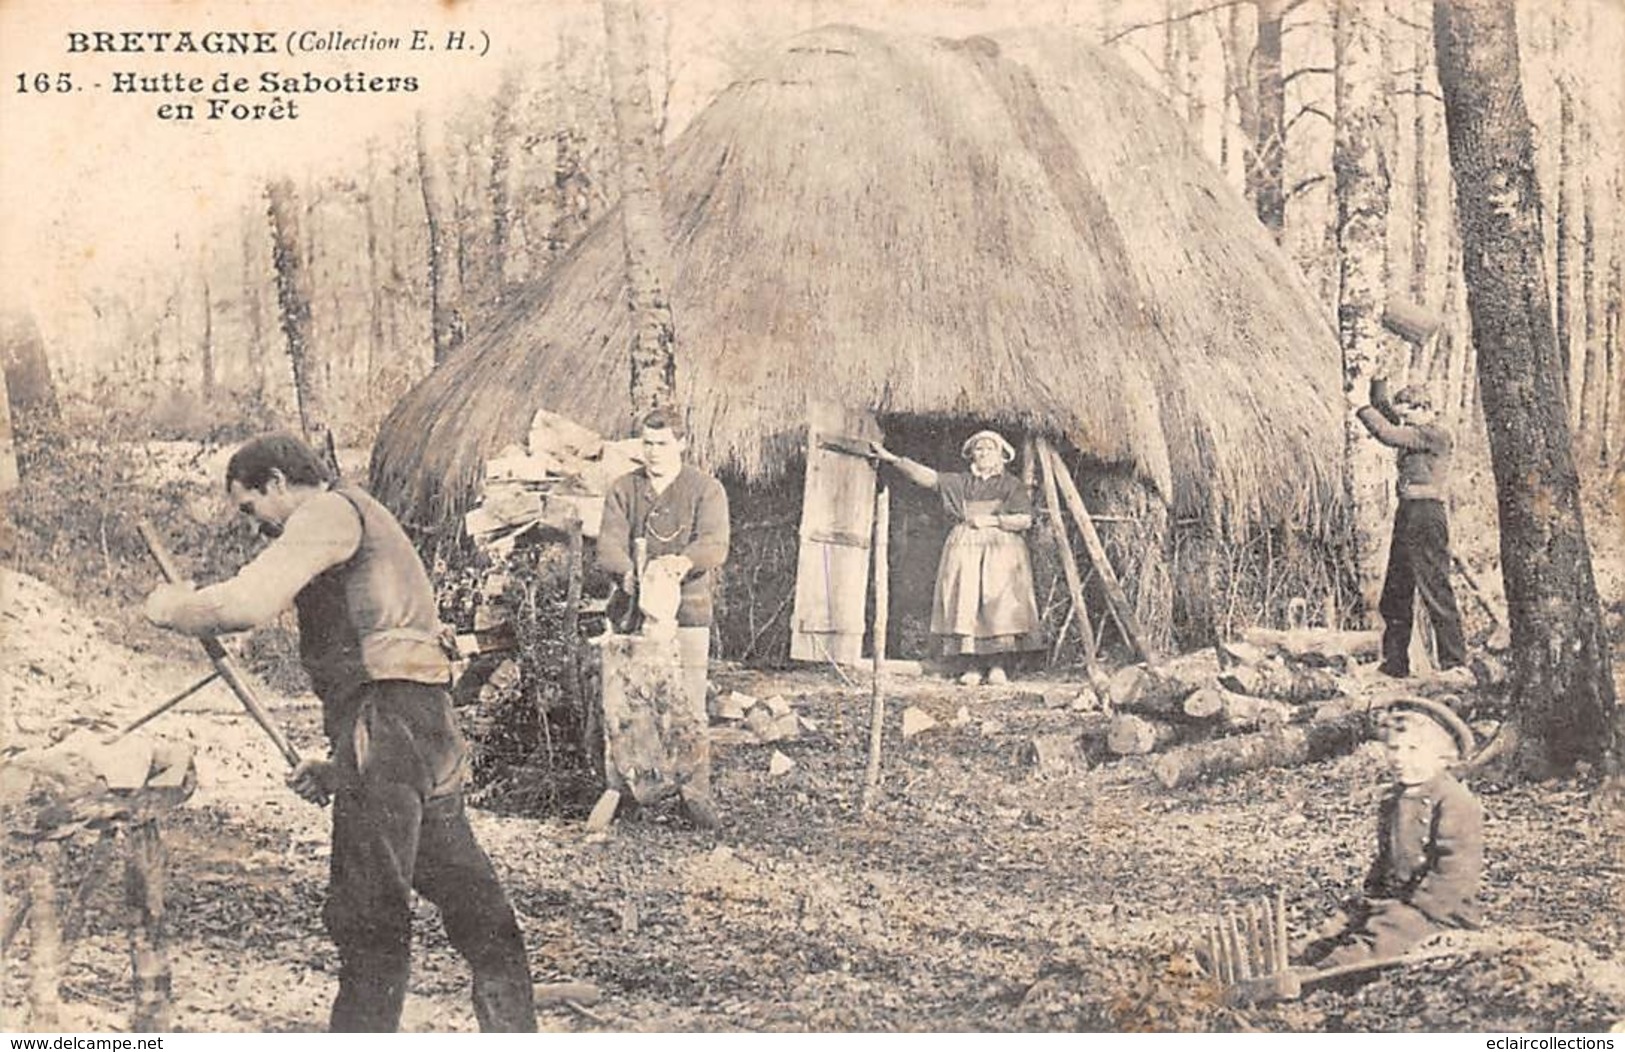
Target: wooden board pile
(1273,699)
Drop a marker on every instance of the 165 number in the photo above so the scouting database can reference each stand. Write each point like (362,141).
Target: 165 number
(44,83)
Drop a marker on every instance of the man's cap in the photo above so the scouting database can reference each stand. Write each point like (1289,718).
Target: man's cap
(1404,714)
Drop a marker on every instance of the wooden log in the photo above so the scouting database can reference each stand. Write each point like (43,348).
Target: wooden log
(549,994)
(882,587)
(1160,689)
(1237,712)
(144,894)
(1053,753)
(1122,611)
(1279,747)
(1131,735)
(1069,561)
(45,937)
(1326,647)
(1276,679)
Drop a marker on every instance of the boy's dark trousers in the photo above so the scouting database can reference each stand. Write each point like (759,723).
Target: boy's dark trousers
(394,832)
(1419,563)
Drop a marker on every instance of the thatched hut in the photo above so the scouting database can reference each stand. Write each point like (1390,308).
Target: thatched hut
(1010,230)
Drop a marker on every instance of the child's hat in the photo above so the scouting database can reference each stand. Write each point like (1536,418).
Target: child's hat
(1403,713)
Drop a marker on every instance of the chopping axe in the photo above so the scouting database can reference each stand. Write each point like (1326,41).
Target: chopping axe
(225,668)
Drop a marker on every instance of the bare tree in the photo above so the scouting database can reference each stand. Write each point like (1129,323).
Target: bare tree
(294,296)
(445,272)
(654,336)
(1362,189)
(1562,685)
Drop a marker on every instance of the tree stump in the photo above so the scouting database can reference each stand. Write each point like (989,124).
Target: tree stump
(652,737)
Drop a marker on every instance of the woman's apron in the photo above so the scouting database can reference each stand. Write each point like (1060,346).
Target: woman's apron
(984,602)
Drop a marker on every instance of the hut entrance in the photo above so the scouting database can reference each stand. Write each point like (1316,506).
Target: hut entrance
(833,604)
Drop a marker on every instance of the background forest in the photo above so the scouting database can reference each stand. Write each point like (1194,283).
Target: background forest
(411,236)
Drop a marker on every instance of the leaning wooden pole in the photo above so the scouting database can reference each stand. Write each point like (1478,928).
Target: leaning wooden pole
(1122,611)
(1069,560)
(882,590)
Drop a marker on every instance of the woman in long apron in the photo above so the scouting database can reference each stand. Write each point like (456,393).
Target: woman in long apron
(984,609)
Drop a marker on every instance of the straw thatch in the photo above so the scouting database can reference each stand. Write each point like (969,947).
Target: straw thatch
(1011,229)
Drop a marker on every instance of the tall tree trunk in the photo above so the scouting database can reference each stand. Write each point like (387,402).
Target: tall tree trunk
(1195,104)
(294,295)
(375,276)
(654,337)
(1565,237)
(29,383)
(206,343)
(1590,359)
(1421,145)
(445,276)
(254,315)
(1562,685)
(1613,387)
(1270,141)
(498,189)
(9,477)
(1362,223)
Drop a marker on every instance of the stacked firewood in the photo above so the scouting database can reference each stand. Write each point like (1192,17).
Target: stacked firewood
(1272,699)
(560,475)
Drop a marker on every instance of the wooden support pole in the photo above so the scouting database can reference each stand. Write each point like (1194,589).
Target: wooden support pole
(572,618)
(1069,561)
(144,894)
(1117,601)
(45,937)
(881,550)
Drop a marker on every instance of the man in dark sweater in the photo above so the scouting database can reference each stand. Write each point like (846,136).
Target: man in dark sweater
(369,641)
(680,515)
(1419,555)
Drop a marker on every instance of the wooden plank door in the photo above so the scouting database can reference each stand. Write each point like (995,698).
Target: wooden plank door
(837,521)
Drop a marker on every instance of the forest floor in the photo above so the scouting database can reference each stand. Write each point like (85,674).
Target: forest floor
(979,894)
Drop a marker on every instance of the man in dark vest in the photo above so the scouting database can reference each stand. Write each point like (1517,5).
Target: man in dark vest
(1419,554)
(369,641)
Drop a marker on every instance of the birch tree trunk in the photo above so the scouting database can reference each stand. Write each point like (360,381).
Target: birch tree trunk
(1565,237)
(445,276)
(1562,687)
(654,337)
(1270,142)
(294,295)
(1362,189)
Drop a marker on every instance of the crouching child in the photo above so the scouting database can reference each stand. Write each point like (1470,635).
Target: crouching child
(1430,844)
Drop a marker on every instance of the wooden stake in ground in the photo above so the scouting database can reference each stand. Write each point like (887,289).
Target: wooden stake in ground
(1069,561)
(45,937)
(1122,612)
(882,586)
(144,893)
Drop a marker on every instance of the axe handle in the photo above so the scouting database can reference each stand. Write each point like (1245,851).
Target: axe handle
(221,660)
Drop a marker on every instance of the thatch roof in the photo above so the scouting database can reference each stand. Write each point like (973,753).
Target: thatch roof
(1011,229)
